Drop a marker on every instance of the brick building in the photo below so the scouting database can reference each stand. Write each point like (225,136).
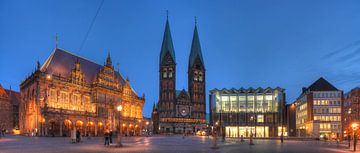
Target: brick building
(9,110)
(351,110)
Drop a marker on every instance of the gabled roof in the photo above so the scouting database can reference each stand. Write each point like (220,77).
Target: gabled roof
(178,92)
(61,62)
(14,96)
(322,85)
(167,44)
(195,52)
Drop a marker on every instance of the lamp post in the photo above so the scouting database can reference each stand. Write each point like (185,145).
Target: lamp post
(215,146)
(119,108)
(140,129)
(354,127)
(147,128)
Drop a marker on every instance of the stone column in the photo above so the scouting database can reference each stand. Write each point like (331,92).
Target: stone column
(46,126)
(61,128)
(85,126)
(96,125)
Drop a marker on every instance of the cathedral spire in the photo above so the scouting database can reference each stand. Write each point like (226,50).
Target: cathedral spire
(167,44)
(195,48)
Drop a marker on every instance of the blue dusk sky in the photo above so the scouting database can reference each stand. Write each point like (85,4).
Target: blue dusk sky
(255,43)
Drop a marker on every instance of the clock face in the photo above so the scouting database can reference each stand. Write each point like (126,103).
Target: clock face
(184,110)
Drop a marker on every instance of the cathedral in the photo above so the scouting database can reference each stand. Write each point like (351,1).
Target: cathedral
(71,92)
(180,111)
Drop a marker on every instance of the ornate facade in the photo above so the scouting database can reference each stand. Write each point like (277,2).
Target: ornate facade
(69,92)
(180,111)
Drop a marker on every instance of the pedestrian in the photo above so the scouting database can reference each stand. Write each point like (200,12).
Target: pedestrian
(77,136)
(106,135)
(110,136)
(73,136)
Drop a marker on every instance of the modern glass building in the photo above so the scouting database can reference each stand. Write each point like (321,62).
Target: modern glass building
(240,112)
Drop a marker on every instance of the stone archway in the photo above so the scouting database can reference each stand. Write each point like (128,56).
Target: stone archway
(100,129)
(90,128)
(80,126)
(53,127)
(67,126)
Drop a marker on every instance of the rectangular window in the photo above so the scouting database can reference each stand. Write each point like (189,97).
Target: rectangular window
(260,118)
(242,103)
(250,105)
(234,107)
(225,103)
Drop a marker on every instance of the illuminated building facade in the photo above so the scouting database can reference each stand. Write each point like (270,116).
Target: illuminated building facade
(351,111)
(9,110)
(240,112)
(318,111)
(180,111)
(69,92)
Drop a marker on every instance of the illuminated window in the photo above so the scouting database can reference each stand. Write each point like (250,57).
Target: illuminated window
(260,118)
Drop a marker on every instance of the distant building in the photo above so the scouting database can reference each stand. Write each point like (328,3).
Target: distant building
(236,112)
(318,111)
(351,111)
(181,111)
(291,119)
(70,92)
(155,120)
(9,110)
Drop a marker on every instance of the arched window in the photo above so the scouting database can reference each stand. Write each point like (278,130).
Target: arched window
(195,75)
(200,76)
(165,73)
(170,72)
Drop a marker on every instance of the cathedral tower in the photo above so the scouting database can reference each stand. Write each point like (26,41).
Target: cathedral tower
(167,70)
(196,78)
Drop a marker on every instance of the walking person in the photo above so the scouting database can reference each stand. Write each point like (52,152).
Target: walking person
(78,136)
(73,136)
(110,136)
(106,135)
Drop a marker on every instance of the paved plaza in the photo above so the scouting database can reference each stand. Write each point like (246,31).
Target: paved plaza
(162,144)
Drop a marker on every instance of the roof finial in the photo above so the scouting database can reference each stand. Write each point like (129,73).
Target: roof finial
(57,40)
(195,20)
(167,14)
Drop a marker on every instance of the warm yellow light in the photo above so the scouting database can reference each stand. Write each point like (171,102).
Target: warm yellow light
(119,108)
(100,124)
(217,123)
(136,125)
(91,123)
(147,123)
(139,121)
(124,125)
(354,125)
(130,125)
(48,76)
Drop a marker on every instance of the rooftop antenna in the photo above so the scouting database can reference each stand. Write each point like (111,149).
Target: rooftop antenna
(195,20)
(167,14)
(57,40)
(118,66)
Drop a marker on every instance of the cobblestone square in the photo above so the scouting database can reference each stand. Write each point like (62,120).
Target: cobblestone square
(162,144)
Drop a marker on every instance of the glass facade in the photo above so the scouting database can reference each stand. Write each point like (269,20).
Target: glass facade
(252,102)
(240,112)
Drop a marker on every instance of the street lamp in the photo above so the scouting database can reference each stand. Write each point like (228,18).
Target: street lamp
(147,128)
(354,127)
(119,108)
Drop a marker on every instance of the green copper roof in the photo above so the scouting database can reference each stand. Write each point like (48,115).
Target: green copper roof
(195,49)
(167,44)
